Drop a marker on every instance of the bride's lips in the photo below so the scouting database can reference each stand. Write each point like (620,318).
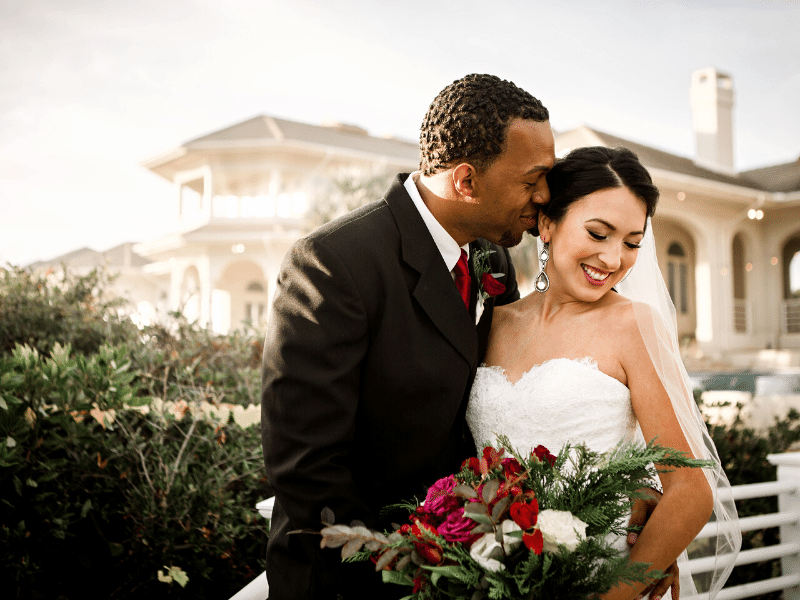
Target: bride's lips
(530,222)
(595,276)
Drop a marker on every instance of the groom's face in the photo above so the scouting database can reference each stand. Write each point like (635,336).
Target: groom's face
(509,193)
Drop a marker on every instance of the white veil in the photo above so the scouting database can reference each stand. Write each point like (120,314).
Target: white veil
(655,315)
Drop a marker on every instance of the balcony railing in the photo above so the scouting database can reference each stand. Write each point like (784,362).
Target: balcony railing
(790,315)
(786,488)
(741,315)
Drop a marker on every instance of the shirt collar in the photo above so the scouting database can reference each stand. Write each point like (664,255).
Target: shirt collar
(448,247)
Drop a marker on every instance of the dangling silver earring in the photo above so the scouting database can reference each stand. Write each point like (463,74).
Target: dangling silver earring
(542,283)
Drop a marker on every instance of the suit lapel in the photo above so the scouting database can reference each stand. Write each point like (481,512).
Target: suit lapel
(435,290)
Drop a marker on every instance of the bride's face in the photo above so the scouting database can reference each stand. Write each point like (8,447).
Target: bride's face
(596,243)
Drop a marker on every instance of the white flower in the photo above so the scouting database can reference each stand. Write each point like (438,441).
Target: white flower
(487,550)
(560,527)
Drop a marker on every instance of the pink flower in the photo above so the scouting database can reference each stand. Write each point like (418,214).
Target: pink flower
(440,500)
(458,528)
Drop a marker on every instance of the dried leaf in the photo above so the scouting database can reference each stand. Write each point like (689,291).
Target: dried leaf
(328,518)
(30,417)
(351,547)
(463,490)
(474,508)
(361,530)
(490,490)
(395,537)
(386,558)
(417,559)
(401,564)
(335,536)
(380,537)
(500,508)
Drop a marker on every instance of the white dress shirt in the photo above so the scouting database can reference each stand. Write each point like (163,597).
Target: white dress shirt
(448,248)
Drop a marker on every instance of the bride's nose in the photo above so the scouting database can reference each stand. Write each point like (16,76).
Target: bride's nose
(610,257)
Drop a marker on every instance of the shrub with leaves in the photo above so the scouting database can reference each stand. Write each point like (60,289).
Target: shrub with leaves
(42,309)
(113,482)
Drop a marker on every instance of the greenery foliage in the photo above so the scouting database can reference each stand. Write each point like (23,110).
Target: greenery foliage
(113,483)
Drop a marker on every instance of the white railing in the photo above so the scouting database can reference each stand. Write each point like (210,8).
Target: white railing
(790,315)
(786,488)
(741,315)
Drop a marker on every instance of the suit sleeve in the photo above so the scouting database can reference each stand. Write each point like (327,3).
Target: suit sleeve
(316,339)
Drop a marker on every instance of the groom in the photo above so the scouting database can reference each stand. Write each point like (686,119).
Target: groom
(373,344)
(378,324)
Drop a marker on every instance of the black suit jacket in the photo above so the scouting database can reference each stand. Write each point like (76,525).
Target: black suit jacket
(368,361)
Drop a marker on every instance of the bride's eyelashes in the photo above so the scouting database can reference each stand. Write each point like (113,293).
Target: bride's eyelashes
(600,238)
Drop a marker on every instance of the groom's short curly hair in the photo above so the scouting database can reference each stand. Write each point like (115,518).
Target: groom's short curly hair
(468,121)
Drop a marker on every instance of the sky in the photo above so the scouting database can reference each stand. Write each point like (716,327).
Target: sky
(89,90)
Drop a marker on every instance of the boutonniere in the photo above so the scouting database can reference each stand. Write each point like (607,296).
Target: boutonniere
(488,284)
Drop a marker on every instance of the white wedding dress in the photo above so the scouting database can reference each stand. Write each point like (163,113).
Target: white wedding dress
(560,401)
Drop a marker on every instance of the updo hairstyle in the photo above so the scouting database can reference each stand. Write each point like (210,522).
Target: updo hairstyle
(587,170)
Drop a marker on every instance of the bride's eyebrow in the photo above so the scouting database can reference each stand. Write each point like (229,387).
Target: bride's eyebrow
(611,227)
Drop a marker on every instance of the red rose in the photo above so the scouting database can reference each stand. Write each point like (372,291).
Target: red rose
(429,550)
(533,541)
(525,515)
(511,467)
(474,465)
(491,286)
(543,454)
(490,460)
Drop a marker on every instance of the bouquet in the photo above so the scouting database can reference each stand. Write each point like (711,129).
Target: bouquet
(512,526)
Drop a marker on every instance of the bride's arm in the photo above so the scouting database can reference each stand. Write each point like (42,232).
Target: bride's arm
(687,502)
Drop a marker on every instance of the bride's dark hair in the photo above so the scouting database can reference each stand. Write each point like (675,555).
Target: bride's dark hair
(587,170)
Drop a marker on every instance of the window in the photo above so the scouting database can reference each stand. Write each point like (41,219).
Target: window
(678,277)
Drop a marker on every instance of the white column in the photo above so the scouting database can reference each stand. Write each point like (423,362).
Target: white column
(789,470)
(204,270)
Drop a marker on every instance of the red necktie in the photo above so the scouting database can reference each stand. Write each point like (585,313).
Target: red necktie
(462,279)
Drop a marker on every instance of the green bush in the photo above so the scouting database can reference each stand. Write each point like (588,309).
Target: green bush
(42,309)
(113,481)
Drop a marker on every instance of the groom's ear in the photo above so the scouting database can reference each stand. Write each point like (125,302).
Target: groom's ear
(464,180)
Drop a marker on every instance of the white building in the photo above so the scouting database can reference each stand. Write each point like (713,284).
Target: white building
(727,239)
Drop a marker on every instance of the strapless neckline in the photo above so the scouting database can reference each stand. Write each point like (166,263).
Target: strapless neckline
(587,362)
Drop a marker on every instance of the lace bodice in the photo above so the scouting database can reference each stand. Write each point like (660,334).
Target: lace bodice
(562,400)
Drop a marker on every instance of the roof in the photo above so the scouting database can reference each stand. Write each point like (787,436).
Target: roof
(263,127)
(659,159)
(118,256)
(777,178)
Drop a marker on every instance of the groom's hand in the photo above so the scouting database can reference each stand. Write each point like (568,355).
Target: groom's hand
(641,511)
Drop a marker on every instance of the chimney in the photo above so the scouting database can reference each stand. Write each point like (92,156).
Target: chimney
(711,96)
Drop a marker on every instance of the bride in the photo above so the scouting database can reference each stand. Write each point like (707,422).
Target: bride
(593,357)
